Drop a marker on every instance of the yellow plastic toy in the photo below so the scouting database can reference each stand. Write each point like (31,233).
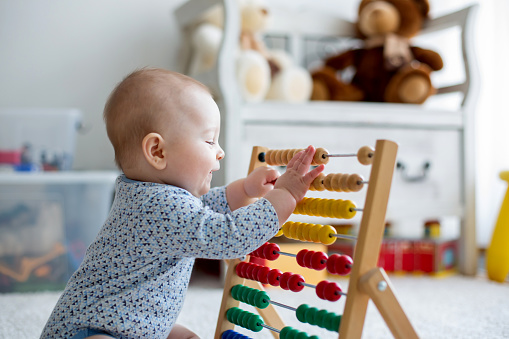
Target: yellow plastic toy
(497,257)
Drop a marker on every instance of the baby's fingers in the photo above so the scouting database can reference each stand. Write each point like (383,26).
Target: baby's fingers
(302,160)
(311,175)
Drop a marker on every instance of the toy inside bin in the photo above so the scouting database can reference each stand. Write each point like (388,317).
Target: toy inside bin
(35,139)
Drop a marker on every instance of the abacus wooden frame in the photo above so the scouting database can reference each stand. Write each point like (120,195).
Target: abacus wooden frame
(367,281)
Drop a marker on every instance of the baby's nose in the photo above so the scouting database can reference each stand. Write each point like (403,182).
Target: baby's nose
(220,154)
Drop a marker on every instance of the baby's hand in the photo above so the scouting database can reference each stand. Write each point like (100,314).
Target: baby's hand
(297,179)
(260,181)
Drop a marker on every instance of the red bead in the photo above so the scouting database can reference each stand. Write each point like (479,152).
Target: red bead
(300,257)
(254,272)
(249,270)
(320,289)
(239,269)
(307,259)
(259,251)
(283,280)
(331,263)
(343,265)
(318,261)
(331,291)
(294,283)
(273,277)
(270,252)
(263,273)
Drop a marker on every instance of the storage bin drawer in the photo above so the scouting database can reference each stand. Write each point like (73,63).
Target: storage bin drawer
(418,190)
(47,221)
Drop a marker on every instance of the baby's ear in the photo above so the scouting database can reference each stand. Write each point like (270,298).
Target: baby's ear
(153,150)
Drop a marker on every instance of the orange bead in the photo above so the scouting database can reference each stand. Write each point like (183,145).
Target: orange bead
(318,182)
(320,156)
(327,182)
(365,155)
(270,157)
(355,182)
(343,183)
(336,182)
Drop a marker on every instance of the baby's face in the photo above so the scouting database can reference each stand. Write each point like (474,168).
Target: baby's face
(195,153)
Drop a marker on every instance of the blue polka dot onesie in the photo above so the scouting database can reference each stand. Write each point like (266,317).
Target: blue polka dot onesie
(134,277)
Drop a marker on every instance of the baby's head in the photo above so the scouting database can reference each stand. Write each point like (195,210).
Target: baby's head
(154,119)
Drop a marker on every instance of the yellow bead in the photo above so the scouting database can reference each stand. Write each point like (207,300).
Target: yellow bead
(305,232)
(300,231)
(325,235)
(293,230)
(286,228)
(279,233)
(336,209)
(347,209)
(313,233)
(314,207)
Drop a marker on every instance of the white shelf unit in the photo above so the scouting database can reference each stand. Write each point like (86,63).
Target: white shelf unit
(436,140)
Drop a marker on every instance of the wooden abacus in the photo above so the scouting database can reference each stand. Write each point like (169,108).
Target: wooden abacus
(243,281)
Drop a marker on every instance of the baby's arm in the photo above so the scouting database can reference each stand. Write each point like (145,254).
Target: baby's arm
(245,191)
(291,187)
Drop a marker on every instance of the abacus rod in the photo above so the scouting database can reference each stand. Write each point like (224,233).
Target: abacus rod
(356,209)
(282,305)
(287,254)
(344,236)
(270,328)
(340,155)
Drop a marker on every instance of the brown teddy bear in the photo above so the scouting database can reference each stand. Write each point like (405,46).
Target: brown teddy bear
(387,68)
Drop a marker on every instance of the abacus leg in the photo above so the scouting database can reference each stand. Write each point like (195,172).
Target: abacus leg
(377,285)
(227,302)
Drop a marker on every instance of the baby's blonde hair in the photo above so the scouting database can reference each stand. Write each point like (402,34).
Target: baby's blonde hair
(137,104)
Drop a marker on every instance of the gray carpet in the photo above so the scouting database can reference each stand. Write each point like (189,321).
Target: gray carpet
(453,307)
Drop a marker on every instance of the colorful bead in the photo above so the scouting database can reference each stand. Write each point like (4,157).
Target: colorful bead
(273,277)
(325,235)
(318,261)
(295,283)
(331,291)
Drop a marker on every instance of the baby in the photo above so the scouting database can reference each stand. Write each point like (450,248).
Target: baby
(164,128)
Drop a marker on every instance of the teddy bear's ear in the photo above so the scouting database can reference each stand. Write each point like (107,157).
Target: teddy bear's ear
(423,6)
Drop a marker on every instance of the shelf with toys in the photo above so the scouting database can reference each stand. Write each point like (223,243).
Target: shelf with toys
(435,176)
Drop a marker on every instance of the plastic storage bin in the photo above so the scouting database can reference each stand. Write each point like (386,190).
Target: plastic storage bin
(47,221)
(38,138)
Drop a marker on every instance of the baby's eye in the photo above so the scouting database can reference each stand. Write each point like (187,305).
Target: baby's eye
(211,143)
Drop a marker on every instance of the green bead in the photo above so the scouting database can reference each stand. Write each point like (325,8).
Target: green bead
(243,319)
(235,291)
(329,321)
(310,315)
(251,297)
(302,335)
(262,299)
(293,333)
(284,332)
(314,337)
(337,322)
(320,318)
(255,323)
(243,294)
(229,315)
(301,313)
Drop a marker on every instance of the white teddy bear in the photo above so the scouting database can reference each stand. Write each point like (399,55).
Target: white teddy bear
(261,73)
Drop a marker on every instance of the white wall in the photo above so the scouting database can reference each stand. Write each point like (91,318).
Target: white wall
(61,53)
